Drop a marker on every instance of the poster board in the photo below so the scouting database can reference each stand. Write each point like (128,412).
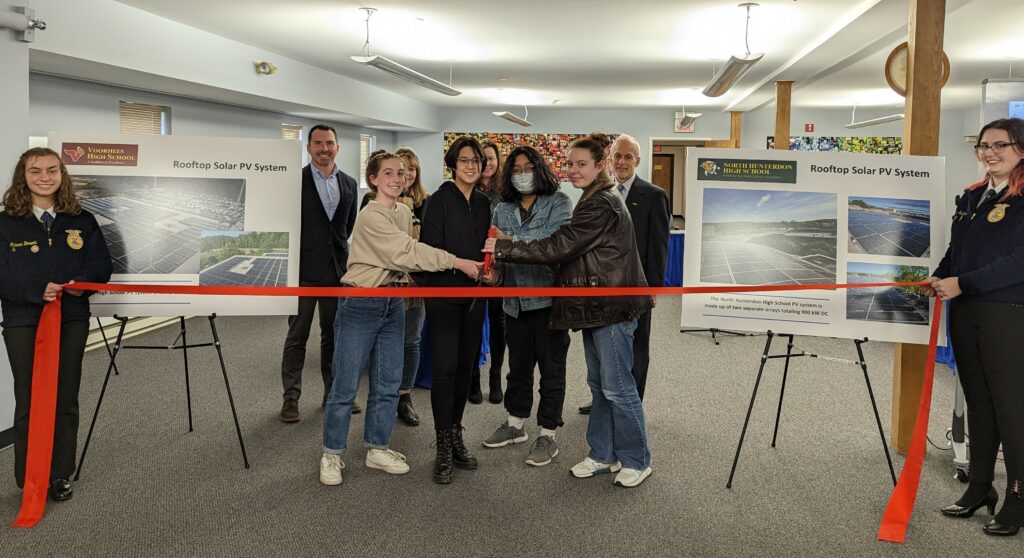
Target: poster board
(804,218)
(180,210)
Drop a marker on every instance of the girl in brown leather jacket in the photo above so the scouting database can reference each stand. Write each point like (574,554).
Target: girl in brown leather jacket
(597,248)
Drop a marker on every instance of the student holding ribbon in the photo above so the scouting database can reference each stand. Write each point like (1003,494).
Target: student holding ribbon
(47,240)
(598,249)
(982,274)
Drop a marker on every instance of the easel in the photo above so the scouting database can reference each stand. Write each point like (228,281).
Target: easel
(785,371)
(714,331)
(184,346)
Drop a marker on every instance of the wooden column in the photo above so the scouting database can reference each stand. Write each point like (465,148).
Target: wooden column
(920,137)
(783,108)
(735,126)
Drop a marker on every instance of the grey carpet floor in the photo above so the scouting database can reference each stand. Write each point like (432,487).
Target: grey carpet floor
(149,487)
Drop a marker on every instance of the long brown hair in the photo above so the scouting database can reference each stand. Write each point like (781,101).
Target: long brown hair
(495,181)
(416,191)
(18,198)
(597,144)
(1014,127)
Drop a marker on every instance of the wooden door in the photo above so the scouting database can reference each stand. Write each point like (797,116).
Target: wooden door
(663,173)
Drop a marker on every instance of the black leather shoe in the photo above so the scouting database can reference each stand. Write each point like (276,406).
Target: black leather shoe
(990,500)
(443,471)
(585,409)
(461,457)
(476,397)
(60,490)
(494,391)
(997,529)
(406,412)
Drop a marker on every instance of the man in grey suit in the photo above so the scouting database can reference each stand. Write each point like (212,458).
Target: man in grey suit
(649,210)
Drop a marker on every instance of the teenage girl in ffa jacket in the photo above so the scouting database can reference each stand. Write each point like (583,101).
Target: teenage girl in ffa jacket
(982,274)
(47,240)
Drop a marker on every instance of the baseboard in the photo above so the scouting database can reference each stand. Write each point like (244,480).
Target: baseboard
(6,437)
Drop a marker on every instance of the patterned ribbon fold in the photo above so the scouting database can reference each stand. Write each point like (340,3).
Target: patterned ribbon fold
(47,353)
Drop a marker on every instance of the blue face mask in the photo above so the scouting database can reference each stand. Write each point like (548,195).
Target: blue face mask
(523,183)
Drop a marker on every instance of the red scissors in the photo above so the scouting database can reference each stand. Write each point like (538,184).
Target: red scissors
(488,263)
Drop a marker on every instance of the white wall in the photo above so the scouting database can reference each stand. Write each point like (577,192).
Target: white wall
(68,105)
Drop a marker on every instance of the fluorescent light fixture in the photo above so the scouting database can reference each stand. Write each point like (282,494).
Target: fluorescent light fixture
(408,74)
(873,121)
(730,74)
(513,118)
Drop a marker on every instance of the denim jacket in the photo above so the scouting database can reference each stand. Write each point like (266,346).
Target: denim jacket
(547,215)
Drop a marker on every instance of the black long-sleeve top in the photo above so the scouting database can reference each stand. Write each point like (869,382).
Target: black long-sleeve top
(456,225)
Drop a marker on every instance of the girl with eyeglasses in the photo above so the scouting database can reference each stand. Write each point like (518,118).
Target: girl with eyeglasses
(456,220)
(598,249)
(982,275)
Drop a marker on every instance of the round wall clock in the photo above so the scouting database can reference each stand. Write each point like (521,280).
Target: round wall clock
(896,69)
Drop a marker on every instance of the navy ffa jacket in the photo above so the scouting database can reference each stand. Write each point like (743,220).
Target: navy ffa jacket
(73,250)
(986,248)
(648,208)
(323,246)
(456,225)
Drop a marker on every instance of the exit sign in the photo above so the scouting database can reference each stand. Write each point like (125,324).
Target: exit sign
(808,127)
(657,149)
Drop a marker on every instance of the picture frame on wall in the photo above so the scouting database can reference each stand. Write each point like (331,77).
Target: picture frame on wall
(677,123)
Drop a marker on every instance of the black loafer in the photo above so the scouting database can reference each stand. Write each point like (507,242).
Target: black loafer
(60,490)
(997,529)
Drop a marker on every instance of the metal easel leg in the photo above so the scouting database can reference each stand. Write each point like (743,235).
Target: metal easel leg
(753,396)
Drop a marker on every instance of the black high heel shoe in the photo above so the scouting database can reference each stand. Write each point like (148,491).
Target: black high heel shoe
(990,500)
(997,529)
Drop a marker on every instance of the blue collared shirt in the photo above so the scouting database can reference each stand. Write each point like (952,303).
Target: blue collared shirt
(327,188)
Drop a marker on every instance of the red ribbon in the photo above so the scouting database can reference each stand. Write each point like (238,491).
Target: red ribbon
(42,415)
(44,380)
(901,503)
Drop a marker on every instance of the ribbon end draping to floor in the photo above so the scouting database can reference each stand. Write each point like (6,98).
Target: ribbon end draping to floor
(42,415)
(901,503)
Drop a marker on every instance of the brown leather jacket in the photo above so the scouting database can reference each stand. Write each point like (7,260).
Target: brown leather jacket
(596,249)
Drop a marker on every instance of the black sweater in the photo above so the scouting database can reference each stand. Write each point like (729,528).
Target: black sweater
(73,250)
(458,226)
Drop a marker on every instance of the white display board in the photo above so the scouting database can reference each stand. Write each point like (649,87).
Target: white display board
(804,218)
(180,210)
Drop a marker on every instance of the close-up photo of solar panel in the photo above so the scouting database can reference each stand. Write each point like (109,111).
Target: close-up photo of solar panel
(889,227)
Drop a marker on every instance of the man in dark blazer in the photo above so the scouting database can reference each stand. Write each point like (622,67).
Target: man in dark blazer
(650,213)
(328,215)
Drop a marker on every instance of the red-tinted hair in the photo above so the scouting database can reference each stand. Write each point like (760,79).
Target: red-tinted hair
(1014,127)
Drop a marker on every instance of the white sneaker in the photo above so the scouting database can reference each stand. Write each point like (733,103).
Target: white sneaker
(632,477)
(330,469)
(389,461)
(589,468)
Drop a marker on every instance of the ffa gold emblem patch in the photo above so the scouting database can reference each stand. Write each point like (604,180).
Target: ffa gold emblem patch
(34,248)
(75,239)
(997,213)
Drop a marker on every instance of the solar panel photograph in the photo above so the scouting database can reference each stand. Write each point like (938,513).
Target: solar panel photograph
(152,224)
(890,227)
(249,259)
(898,305)
(765,237)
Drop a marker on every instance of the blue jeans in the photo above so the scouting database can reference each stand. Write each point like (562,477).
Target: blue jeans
(414,318)
(616,430)
(368,334)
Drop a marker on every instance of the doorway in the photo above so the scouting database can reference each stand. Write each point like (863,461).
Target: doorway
(663,172)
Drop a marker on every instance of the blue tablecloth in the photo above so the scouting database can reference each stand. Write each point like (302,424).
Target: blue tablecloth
(674,265)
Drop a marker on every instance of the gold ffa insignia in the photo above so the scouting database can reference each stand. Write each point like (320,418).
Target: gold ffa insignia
(75,240)
(34,248)
(997,213)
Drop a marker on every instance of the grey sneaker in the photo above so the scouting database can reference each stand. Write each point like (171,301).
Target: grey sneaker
(506,435)
(543,451)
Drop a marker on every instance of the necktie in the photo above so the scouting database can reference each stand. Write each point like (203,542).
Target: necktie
(47,220)
(622,190)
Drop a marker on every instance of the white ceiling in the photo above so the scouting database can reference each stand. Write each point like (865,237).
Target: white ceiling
(634,54)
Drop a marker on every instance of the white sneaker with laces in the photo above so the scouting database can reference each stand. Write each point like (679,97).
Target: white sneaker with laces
(589,468)
(632,477)
(330,469)
(387,460)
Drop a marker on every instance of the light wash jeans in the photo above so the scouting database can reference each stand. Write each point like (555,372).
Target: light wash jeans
(414,318)
(368,334)
(616,430)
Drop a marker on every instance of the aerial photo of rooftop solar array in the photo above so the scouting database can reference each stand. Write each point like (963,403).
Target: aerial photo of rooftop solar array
(244,258)
(763,237)
(901,305)
(152,225)
(889,227)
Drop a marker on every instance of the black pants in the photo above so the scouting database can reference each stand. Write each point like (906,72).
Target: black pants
(455,332)
(20,342)
(531,344)
(990,360)
(294,357)
(642,351)
(496,319)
